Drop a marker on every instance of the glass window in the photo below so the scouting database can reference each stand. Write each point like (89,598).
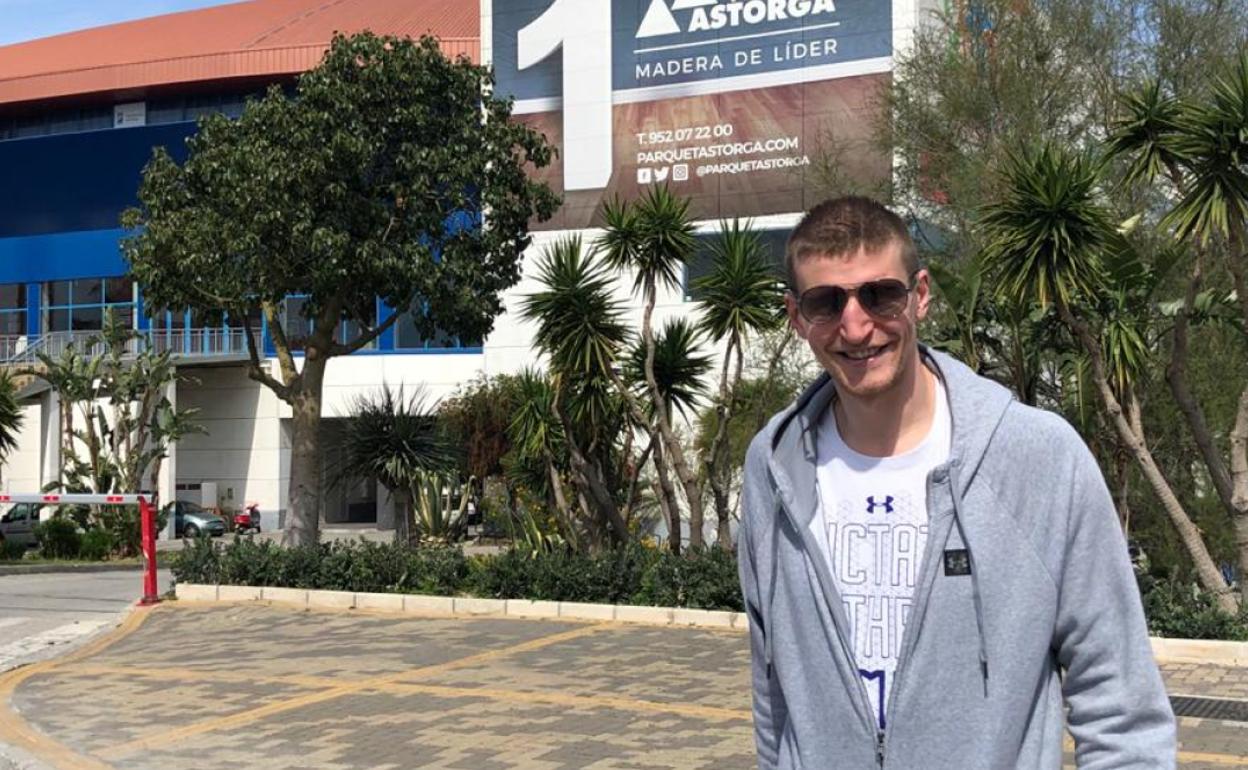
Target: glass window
(58,292)
(13,296)
(13,323)
(58,321)
(294,324)
(118,290)
(406,335)
(87,319)
(79,305)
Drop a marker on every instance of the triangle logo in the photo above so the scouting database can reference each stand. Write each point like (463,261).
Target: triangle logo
(658,21)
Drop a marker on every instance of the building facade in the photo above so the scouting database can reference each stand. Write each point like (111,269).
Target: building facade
(737,104)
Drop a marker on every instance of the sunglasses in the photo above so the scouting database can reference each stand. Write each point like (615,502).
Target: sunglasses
(884,298)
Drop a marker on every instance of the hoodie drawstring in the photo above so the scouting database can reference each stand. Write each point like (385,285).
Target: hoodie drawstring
(955,490)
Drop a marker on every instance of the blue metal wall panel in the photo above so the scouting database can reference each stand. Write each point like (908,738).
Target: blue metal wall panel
(57,257)
(81,181)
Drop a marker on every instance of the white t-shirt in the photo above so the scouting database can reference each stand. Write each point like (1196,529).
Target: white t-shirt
(874,530)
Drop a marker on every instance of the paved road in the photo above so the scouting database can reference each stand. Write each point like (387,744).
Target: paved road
(218,687)
(41,613)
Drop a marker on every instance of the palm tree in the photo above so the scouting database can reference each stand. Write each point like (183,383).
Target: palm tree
(394,439)
(10,415)
(581,330)
(1047,242)
(538,441)
(741,295)
(678,371)
(1202,148)
(654,238)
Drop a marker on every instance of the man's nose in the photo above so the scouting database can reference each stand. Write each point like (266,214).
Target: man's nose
(856,323)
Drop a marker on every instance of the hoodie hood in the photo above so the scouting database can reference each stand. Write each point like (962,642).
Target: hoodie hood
(976,408)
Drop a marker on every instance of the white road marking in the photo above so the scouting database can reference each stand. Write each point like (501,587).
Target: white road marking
(15,652)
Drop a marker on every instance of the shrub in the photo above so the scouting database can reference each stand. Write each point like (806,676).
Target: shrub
(97,544)
(1182,610)
(705,579)
(10,551)
(58,538)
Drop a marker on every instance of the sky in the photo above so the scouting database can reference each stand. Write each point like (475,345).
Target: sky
(29,19)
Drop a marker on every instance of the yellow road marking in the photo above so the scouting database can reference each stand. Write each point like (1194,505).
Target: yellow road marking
(15,731)
(249,716)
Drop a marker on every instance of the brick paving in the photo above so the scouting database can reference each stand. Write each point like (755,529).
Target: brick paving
(273,688)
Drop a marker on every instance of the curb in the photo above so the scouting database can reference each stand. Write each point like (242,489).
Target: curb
(1232,654)
(41,569)
(1202,651)
(464,606)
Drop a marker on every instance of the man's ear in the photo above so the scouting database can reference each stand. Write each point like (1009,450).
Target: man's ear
(795,317)
(922,293)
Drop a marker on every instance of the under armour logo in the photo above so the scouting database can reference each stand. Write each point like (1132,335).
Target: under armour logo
(887,504)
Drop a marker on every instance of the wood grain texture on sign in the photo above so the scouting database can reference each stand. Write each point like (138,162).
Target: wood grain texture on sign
(834,122)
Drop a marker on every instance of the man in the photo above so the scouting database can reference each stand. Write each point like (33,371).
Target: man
(929,567)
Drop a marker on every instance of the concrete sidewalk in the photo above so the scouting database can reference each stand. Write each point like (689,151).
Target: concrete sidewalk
(268,687)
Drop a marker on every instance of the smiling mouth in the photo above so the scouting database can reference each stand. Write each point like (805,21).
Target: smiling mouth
(862,354)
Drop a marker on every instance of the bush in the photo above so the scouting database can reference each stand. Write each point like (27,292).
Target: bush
(1182,610)
(10,551)
(338,566)
(97,544)
(58,538)
(705,578)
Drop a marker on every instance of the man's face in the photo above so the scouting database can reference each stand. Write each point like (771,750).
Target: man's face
(867,354)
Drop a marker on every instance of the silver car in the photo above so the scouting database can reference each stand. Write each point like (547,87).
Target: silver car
(17,525)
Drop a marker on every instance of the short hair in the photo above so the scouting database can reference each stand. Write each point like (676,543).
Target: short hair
(841,227)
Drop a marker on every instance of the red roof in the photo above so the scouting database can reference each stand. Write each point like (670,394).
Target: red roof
(258,38)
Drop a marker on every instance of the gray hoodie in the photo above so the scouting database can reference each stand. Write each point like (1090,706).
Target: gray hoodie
(1050,609)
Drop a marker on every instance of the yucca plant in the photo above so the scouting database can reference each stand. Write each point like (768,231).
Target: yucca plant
(581,330)
(653,237)
(741,296)
(393,438)
(1048,238)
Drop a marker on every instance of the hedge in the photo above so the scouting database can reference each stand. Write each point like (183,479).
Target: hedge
(633,574)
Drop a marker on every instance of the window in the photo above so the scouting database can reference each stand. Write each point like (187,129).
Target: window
(79,305)
(407,336)
(772,242)
(12,309)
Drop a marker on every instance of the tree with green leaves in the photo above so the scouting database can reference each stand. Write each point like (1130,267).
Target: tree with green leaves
(369,182)
(653,238)
(740,297)
(1050,242)
(10,415)
(581,330)
(1196,146)
(112,391)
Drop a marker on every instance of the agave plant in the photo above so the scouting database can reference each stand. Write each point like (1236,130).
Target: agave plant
(439,506)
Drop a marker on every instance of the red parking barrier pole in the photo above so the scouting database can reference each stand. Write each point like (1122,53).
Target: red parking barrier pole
(147,515)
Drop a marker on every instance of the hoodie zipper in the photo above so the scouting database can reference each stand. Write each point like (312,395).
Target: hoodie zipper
(879,748)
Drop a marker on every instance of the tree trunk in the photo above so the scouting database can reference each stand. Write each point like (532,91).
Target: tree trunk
(719,472)
(1239,477)
(667,501)
(1133,439)
(304,517)
(589,480)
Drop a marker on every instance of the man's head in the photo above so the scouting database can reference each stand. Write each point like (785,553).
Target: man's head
(857,294)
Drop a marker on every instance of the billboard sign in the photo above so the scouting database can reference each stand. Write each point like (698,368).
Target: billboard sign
(727,101)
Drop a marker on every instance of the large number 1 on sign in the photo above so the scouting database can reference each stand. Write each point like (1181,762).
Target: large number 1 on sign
(583,29)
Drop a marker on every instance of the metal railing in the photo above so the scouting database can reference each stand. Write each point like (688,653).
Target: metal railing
(194,344)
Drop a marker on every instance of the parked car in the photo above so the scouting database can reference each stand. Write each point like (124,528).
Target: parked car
(17,525)
(190,519)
